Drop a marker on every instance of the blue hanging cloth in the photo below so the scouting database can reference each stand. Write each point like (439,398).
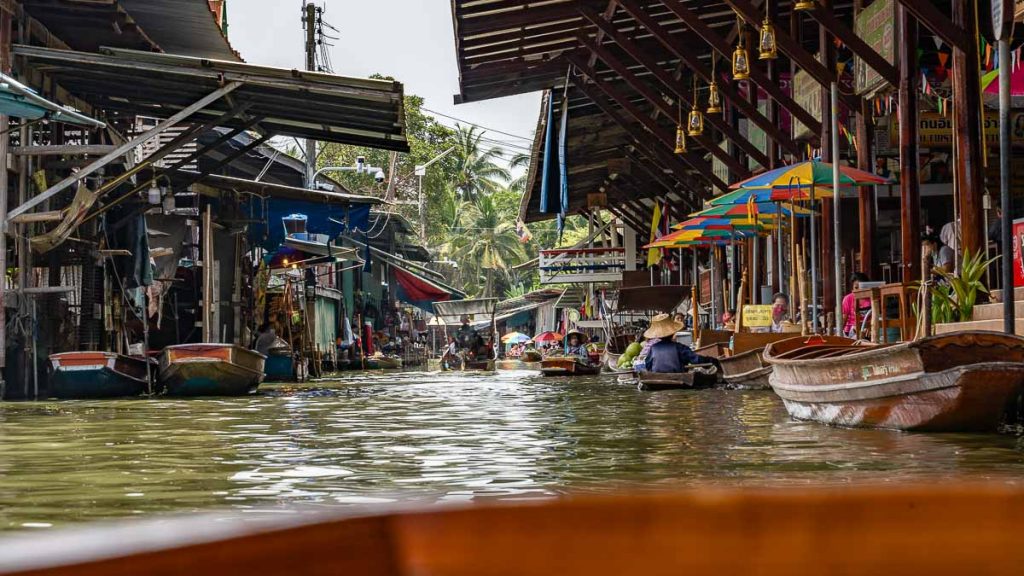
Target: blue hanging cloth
(550,199)
(563,170)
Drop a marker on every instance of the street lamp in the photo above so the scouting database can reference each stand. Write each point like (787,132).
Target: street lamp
(359,168)
(421,171)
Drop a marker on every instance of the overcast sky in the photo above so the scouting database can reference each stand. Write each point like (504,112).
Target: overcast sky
(411,40)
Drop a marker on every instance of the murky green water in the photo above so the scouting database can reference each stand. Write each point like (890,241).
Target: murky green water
(436,437)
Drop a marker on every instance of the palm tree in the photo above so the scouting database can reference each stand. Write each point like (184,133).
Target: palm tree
(491,244)
(519,160)
(477,169)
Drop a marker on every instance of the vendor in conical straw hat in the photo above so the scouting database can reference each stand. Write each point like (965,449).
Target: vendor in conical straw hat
(667,356)
(576,344)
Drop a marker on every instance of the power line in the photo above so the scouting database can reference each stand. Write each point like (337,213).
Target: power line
(467,122)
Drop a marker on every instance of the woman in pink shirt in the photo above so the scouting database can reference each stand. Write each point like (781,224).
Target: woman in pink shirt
(851,307)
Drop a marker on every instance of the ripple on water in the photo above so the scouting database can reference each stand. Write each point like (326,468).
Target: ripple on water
(372,438)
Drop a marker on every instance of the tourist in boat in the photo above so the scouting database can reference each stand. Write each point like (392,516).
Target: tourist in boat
(668,356)
(576,345)
(853,310)
(780,309)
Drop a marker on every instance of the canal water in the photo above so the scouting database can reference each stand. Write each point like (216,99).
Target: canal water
(437,437)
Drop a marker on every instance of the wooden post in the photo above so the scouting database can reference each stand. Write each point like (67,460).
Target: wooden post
(828,154)
(910,186)
(967,132)
(865,194)
(5,67)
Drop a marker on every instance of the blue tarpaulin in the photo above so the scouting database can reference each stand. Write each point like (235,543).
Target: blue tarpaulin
(550,197)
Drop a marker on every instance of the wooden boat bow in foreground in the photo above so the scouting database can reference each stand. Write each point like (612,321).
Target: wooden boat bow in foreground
(934,530)
(953,382)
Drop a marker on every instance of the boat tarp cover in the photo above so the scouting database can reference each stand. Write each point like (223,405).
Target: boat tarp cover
(419,291)
(318,221)
(456,309)
(658,298)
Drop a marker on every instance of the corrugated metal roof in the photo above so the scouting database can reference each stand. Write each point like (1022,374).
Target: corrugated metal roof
(185,27)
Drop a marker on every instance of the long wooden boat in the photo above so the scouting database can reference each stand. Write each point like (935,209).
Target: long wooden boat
(383,363)
(210,370)
(568,366)
(81,375)
(516,365)
(694,378)
(962,381)
(468,366)
(893,529)
(746,371)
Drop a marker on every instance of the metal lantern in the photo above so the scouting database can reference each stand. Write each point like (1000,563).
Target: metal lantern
(804,5)
(740,62)
(695,123)
(714,99)
(768,48)
(680,140)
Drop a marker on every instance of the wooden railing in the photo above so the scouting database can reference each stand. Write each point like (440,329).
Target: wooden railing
(582,265)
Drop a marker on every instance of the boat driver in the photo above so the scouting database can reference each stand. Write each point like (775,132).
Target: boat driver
(667,356)
(467,336)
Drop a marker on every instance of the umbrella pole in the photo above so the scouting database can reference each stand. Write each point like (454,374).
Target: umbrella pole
(714,290)
(836,213)
(755,281)
(814,268)
(693,299)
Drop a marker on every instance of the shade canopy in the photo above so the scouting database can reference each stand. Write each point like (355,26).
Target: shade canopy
(20,101)
(807,173)
(459,308)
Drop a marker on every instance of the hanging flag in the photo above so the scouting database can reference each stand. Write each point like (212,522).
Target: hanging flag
(654,254)
(523,232)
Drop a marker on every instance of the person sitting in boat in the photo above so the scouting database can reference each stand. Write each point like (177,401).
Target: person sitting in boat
(467,336)
(668,356)
(576,345)
(450,358)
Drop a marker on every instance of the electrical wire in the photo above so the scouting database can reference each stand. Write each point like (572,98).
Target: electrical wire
(467,122)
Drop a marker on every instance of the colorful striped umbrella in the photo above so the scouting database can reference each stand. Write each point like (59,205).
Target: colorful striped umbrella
(768,195)
(753,211)
(715,223)
(515,338)
(548,337)
(807,173)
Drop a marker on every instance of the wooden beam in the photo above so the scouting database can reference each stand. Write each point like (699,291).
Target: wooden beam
(796,53)
(827,54)
(665,139)
(968,133)
(701,29)
(929,15)
(650,63)
(125,148)
(659,102)
(63,150)
(826,18)
(643,140)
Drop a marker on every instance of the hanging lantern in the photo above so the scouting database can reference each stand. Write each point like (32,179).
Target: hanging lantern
(740,58)
(695,123)
(802,5)
(740,63)
(714,99)
(680,140)
(769,50)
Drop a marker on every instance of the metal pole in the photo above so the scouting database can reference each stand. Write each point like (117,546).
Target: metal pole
(714,289)
(679,252)
(814,267)
(1009,295)
(779,274)
(836,211)
(421,208)
(755,277)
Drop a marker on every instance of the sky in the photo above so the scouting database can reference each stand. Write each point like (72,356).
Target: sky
(410,40)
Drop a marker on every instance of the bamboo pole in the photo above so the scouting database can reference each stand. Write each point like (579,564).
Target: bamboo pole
(207,244)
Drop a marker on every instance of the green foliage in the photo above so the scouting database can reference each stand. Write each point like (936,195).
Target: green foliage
(953,299)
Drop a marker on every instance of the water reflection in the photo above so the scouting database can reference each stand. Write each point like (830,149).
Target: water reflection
(376,438)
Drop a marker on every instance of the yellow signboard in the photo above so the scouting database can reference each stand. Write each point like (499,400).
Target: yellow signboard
(757,316)
(936,130)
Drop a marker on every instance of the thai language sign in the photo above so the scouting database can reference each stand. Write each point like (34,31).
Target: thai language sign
(757,316)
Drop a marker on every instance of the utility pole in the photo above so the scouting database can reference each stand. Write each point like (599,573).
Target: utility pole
(309,23)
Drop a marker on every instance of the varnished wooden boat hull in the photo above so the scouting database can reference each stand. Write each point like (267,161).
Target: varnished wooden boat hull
(87,375)
(470,366)
(954,382)
(516,365)
(568,367)
(938,530)
(210,370)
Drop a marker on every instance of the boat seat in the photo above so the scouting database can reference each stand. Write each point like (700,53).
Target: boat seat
(810,352)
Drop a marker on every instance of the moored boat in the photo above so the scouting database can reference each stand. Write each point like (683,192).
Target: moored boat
(83,375)
(210,370)
(693,378)
(516,365)
(962,381)
(746,371)
(383,363)
(568,366)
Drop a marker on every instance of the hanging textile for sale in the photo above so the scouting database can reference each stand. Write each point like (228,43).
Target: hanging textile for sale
(563,170)
(549,197)
(654,254)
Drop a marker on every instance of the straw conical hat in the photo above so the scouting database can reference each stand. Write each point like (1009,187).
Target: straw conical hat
(663,326)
